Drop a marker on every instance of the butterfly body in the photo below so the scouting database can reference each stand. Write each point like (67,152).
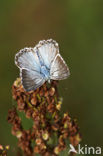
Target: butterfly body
(45,72)
(40,64)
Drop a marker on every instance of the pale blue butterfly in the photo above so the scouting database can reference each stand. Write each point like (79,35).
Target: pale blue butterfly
(40,64)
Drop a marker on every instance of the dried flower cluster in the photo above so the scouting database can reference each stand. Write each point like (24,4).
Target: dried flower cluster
(3,150)
(50,128)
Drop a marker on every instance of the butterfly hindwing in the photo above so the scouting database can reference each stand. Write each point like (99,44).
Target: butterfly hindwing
(59,70)
(31,80)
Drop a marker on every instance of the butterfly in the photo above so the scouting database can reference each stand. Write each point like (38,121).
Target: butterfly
(40,64)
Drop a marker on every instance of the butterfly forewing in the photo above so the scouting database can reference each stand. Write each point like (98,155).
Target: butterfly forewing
(47,50)
(28,59)
(59,70)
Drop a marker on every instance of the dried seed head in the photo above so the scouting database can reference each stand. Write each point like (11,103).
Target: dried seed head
(56,150)
(38,141)
(17,83)
(18,134)
(43,107)
(51,91)
(1,147)
(7,147)
(45,135)
(36,149)
(34,101)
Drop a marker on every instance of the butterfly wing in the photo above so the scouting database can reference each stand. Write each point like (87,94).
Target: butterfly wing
(59,70)
(28,59)
(47,50)
(28,62)
(31,80)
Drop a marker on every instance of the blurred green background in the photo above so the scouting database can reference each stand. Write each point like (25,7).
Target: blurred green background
(77,26)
